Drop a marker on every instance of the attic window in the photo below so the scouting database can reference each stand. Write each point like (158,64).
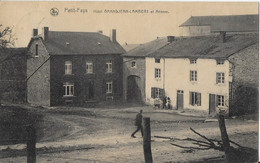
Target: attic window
(36,50)
(67,43)
(157,60)
(98,43)
(193,61)
(220,61)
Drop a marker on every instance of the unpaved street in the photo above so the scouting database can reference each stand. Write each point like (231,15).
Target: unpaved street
(103,135)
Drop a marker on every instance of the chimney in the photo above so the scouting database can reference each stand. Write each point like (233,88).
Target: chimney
(100,31)
(113,35)
(35,32)
(223,36)
(170,38)
(45,33)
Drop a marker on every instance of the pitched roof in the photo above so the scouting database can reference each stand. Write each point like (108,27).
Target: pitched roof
(147,48)
(83,43)
(206,46)
(229,23)
(129,47)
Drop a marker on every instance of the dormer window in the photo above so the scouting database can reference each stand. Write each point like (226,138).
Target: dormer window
(157,60)
(193,61)
(220,61)
(36,50)
(133,64)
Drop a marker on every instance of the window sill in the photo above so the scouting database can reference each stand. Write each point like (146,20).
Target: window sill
(220,84)
(36,56)
(158,79)
(68,96)
(194,82)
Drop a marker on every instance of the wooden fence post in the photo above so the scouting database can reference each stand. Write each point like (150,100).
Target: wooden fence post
(31,144)
(147,140)
(224,136)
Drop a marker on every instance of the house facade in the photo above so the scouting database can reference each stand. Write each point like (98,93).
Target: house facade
(205,76)
(134,69)
(73,67)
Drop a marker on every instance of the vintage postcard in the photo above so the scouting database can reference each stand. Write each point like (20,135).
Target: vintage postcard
(129,81)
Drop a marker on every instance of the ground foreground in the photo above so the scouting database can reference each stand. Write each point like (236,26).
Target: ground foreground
(103,135)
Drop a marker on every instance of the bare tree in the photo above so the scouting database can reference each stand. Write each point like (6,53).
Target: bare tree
(6,37)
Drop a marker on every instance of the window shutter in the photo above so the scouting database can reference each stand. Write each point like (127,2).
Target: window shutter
(190,76)
(190,98)
(199,99)
(153,92)
(154,73)
(216,78)
(216,100)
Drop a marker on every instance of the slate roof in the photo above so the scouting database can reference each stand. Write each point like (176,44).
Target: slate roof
(147,48)
(229,23)
(129,47)
(206,46)
(80,43)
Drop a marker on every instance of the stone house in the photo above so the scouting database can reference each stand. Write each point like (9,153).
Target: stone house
(134,78)
(73,67)
(206,73)
(208,25)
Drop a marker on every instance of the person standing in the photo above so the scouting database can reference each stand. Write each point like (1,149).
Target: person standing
(164,102)
(138,124)
(169,103)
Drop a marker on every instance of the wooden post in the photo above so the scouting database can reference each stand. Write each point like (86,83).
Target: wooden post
(147,140)
(224,136)
(31,144)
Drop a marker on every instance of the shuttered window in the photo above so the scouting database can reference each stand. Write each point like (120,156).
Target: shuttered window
(195,98)
(157,92)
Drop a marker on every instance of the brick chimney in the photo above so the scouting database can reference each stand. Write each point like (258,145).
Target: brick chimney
(35,32)
(223,36)
(170,38)
(113,35)
(45,33)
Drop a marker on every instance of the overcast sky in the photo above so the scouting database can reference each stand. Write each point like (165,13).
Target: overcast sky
(132,28)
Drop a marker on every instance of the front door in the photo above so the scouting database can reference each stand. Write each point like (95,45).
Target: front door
(179,99)
(212,104)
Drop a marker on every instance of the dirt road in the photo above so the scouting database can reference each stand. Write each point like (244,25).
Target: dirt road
(103,135)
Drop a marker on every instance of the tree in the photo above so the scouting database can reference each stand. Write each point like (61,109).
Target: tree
(6,37)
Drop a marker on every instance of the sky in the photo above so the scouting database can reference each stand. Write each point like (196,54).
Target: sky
(134,28)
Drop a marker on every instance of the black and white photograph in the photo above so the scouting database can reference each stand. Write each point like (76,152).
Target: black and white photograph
(129,81)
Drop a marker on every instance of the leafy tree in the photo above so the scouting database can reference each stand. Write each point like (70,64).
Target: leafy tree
(6,37)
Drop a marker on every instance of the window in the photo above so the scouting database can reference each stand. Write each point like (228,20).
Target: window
(220,77)
(36,50)
(157,92)
(68,67)
(193,61)
(193,75)
(89,67)
(220,61)
(220,100)
(109,66)
(157,60)
(133,64)
(157,73)
(195,98)
(68,89)
(109,87)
